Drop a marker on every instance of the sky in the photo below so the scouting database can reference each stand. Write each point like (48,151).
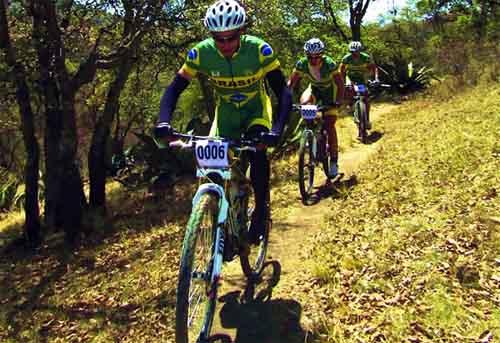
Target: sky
(378,7)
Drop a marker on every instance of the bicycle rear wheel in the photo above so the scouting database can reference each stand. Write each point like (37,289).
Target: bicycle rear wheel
(196,293)
(306,167)
(252,258)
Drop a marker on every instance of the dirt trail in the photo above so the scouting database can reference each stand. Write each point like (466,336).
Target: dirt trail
(287,316)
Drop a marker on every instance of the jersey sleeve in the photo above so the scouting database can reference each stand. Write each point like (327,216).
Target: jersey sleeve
(332,66)
(192,63)
(301,66)
(267,57)
(369,59)
(345,60)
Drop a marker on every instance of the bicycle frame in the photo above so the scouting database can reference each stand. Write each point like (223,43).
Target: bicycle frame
(314,127)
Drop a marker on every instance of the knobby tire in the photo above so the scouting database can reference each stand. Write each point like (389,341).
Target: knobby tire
(197,256)
(306,164)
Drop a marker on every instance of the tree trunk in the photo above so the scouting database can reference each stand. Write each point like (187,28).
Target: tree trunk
(31,207)
(97,155)
(65,199)
(357,11)
(356,32)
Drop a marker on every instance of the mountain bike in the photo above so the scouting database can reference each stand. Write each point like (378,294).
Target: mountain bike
(313,149)
(216,232)
(360,113)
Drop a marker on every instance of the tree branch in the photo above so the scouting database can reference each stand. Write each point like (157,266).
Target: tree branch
(339,30)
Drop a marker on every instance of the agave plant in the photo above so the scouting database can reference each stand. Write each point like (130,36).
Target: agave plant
(406,77)
(7,189)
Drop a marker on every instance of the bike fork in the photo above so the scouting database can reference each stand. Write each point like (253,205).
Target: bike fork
(305,139)
(217,261)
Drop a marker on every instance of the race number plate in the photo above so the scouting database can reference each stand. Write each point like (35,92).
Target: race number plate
(309,111)
(360,88)
(211,154)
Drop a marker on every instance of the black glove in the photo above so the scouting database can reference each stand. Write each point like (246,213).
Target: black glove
(163,130)
(270,138)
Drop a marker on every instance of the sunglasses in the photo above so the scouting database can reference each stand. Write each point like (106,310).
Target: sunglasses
(227,39)
(313,57)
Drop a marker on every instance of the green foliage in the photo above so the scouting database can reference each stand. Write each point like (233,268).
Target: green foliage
(13,191)
(8,187)
(144,164)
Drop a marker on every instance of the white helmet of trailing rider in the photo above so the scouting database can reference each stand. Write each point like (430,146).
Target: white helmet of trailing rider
(224,15)
(355,46)
(314,46)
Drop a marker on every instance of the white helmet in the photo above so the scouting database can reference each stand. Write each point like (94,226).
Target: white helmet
(314,46)
(224,15)
(355,46)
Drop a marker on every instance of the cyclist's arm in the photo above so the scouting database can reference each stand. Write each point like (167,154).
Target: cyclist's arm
(277,82)
(343,71)
(294,80)
(339,82)
(171,95)
(373,70)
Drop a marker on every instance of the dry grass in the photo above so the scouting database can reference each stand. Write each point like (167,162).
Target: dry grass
(412,254)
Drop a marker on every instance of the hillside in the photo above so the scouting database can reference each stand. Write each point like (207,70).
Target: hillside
(405,248)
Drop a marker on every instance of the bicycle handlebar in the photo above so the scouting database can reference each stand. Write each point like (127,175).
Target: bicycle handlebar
(298,107)
(372,84)
(240,144)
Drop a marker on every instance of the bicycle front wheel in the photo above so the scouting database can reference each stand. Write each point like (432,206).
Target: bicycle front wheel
(196,293)
(306,167)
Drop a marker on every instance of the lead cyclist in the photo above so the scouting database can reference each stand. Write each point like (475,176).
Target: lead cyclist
(236,65)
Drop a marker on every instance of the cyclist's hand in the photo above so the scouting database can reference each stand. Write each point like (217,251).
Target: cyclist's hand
(163,130)
(163,134)
(270,139)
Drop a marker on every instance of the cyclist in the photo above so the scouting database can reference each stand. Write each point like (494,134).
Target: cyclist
(326,88)
(236,65)
(356,67)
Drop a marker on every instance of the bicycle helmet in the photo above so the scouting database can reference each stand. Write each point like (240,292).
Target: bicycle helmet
(224,15)
(355,46)
(314,46)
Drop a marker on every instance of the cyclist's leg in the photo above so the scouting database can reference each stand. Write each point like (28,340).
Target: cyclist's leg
(327,97)
(329,121)
(259,175)
(367,103)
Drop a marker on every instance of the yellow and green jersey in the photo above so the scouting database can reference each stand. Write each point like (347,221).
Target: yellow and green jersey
(358,70)
(323,88)
(241,97)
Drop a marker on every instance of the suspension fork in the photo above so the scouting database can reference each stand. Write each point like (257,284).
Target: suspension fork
(305,134)
(218,248)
